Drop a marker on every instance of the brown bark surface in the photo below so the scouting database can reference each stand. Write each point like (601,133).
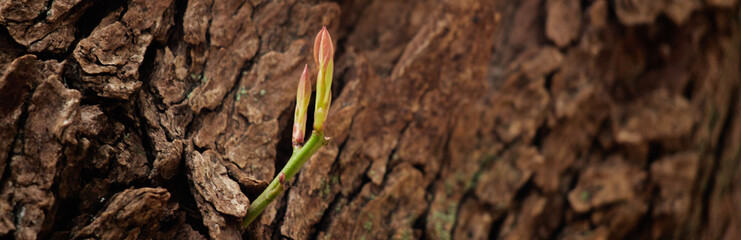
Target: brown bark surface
(451,119)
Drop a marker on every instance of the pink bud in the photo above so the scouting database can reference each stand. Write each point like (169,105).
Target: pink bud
(323,48)
(324,58)
(303,95)
(282,178)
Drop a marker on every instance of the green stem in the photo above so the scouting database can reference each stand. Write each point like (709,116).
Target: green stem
(299,157)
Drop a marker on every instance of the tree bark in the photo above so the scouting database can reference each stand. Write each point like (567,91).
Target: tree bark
(451,119)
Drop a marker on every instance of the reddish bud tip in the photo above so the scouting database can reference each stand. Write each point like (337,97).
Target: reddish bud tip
(304,84)
(323,48)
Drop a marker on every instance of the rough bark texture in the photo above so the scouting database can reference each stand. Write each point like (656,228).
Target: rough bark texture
(452,119)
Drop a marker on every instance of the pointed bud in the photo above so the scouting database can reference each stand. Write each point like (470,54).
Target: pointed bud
(302,104)
(323,48)
(324,58)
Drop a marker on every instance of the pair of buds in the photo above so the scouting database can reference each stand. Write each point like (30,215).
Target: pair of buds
(324,59)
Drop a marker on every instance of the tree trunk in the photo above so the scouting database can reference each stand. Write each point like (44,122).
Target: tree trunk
(451,119)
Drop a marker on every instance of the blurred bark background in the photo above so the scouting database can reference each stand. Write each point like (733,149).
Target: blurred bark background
(470,119)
